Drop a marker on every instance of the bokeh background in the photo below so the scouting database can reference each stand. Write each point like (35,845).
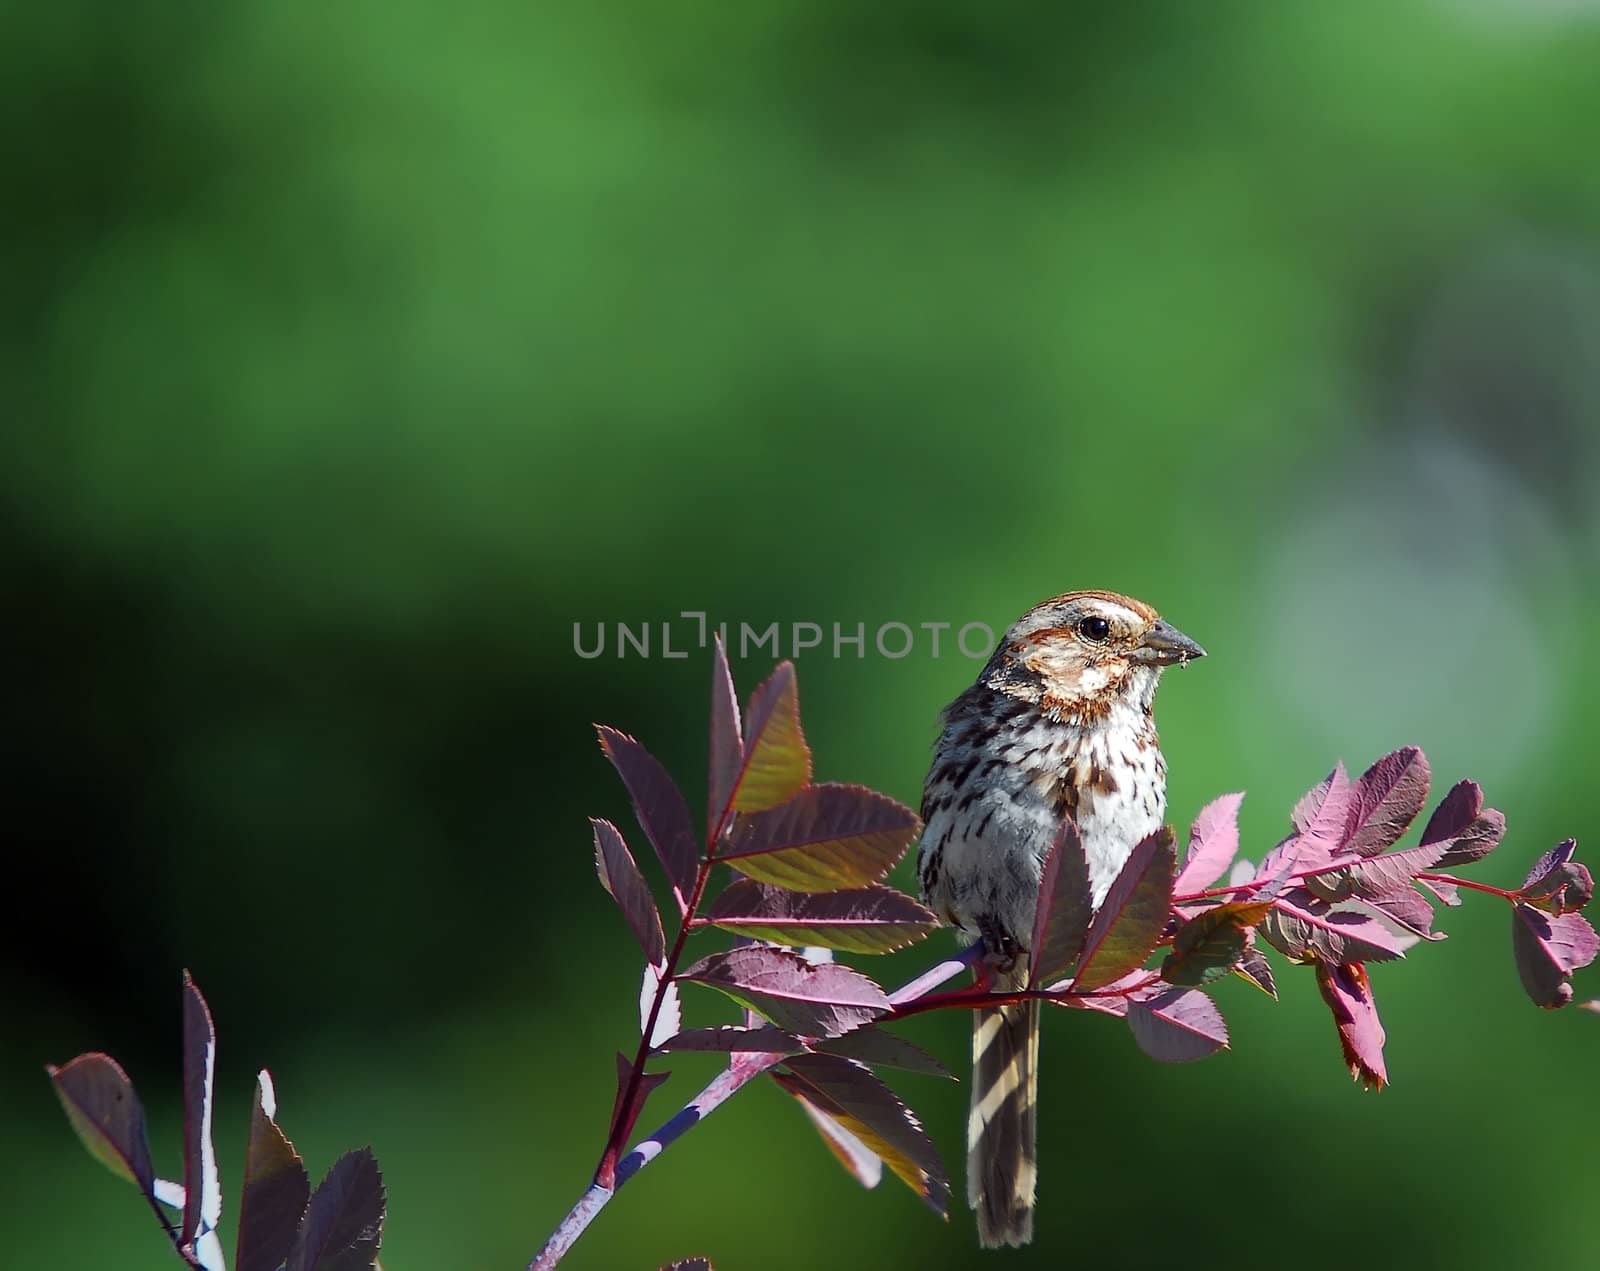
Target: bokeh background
(352,353)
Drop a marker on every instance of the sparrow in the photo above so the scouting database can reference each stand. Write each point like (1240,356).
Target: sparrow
(1059,724)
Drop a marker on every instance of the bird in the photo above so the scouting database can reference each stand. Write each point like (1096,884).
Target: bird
(1059,724)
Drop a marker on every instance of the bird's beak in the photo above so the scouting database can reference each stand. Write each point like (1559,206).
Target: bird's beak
(1166,645)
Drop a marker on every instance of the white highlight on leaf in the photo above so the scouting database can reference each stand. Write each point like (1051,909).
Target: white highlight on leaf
(669,1021)
(269,1095)
(170,1193)
(1242,872)
(208,1251)
(865,1164)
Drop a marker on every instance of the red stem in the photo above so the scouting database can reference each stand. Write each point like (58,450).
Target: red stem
(1510,897)
(605,1174)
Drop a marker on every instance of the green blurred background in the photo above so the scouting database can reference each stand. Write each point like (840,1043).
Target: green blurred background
(354,352)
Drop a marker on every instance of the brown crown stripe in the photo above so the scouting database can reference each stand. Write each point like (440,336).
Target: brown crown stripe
(1117,598)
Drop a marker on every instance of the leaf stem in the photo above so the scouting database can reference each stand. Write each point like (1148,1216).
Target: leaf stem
(1510,897)
(1256,884)
(626,1114)
(977,999)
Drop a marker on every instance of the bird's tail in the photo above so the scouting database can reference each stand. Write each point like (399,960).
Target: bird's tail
(1002,1126)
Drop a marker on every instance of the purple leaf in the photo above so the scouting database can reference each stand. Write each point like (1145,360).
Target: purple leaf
(623,1118)
(1548,949)
(826,838)
(1408,911)
(1177,1026)
(202,1208)
(871,920)
(1385,801)
(1062,913)
(1104,1003)
(1213,843)
(105,1112)
(872,1045)
(1132,916)
(727,741)
(689,1264)
(1211,944)
(1307,929)
(1469,831)
(1255,968)
(776,763)
(620,876)
(1558,883)
(343,1225)
(1294,856)
(1392,872)
(859,1160)
(275,1188)
(870,1111)
(802,998)
(658,806)
(1447,893)
(731,1039)
(1348,994)
(1322,812)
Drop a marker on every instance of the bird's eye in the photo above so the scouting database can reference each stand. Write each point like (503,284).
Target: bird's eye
(1094,629)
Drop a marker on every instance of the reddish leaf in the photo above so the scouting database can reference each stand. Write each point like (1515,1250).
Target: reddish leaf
(1408,911)
(727,741)
(1392,872)
(730,1039)
(1284,865)
(624,1117)
(1255,969)
(620,876)
(1447,893)
(826,838)
(1308,930)
(859,1160)
(1548,949)
(1177,1026)
(1062,913)
(1349,996)
(343,1225)
(777,762)
(1211,944)
(809,1000)
(1103,1003)
(1468,830)
(1380,875)
(658,806)
(1213,843)
(870,1111)
(1322,812)
(276,1188)
(1385,801)
(1131,918)
(105,1113)
(872,1045)
(872,920)
(1558,883)
(202,1208)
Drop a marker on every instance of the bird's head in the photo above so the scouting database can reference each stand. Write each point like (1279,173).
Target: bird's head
(1080,653)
